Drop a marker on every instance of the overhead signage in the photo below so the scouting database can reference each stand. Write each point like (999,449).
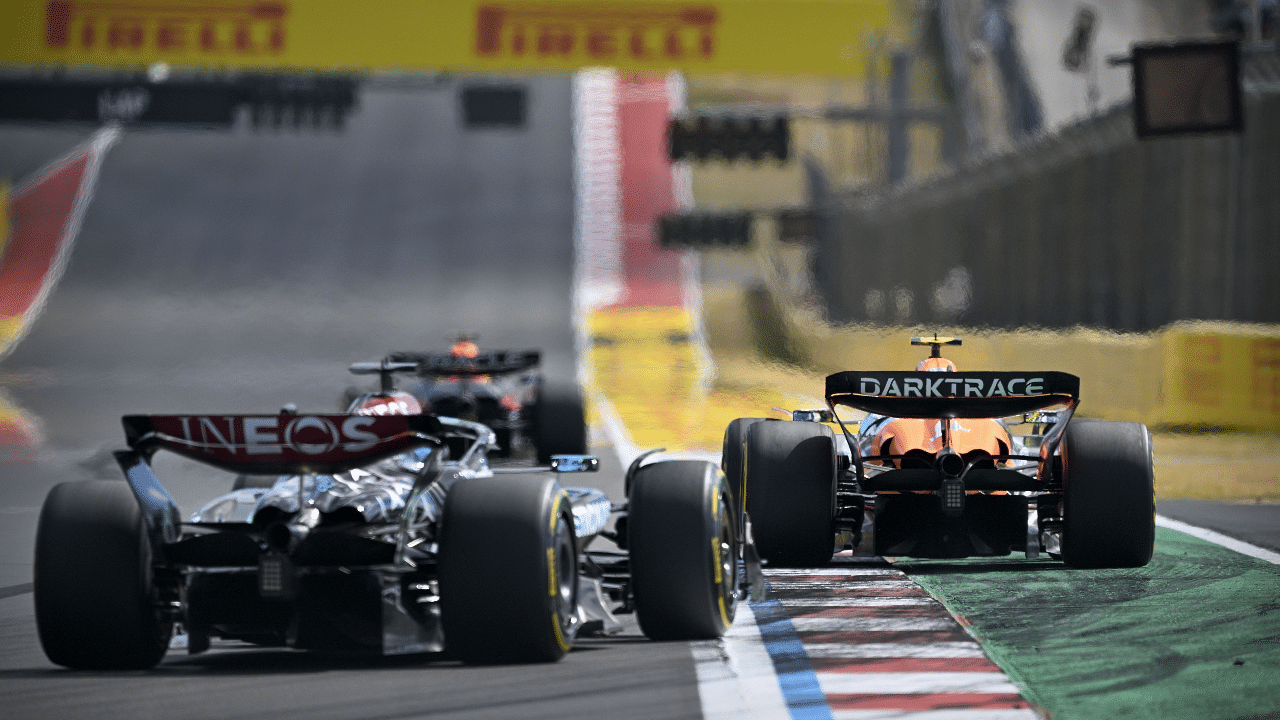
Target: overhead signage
(785,36)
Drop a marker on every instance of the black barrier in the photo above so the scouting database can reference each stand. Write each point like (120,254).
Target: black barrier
(299,101)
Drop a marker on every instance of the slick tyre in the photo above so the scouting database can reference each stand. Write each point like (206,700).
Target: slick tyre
(96,605)
(732,455)
(559,423)
(682,548)
(791,492)
(1108,495)
(508,570)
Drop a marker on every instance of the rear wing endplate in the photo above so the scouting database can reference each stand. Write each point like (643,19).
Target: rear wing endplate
(281,444)
(497,362)
(952,394)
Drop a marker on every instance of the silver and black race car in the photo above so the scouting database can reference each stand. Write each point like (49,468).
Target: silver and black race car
(381,531)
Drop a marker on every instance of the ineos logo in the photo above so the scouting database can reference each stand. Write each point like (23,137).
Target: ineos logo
(303,423)
(263,435)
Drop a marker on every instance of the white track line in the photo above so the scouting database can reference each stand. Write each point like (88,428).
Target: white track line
(736,678)
(965,649)
(934,714)
(873,624)
(1216,538)
(844,602)
(837,585)
(902,683)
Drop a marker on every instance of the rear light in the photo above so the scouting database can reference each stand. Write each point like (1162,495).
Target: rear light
(952,495)
(275,577)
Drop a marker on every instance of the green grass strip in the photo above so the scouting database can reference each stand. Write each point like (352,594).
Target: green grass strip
(1195,634)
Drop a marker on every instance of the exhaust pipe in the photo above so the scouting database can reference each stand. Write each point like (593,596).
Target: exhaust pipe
(951,492)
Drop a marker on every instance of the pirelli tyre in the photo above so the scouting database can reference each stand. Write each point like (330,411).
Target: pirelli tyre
(791,492)
(682,549)
(1108,495)
(96,601)
(559,422)
(731,455)
(508,569)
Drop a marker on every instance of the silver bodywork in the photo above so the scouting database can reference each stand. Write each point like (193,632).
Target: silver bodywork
(397,501)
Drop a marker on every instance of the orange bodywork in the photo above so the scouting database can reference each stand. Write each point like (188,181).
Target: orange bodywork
(902,435)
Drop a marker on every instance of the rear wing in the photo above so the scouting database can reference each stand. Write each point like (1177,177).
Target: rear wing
(952,394)
(497,362)
(281,444)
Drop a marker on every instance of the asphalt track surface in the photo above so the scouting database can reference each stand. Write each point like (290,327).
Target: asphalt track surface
(238,271)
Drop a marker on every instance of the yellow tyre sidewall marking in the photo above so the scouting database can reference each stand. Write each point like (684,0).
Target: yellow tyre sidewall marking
(552,585)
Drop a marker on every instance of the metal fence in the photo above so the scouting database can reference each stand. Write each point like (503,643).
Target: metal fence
(1088,227)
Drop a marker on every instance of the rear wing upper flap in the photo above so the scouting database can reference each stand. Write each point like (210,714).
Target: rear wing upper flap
(495,362)
(952,394)
(281,444)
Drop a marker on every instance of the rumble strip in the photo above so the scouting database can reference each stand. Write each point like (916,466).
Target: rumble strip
(852,641)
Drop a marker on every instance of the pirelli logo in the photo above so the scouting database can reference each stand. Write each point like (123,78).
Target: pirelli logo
(597,32)
(179,28)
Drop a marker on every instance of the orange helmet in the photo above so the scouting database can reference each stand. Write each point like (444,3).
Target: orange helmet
(936,364)
(464,349)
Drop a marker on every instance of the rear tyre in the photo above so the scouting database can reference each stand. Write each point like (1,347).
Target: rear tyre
(508,569)
(791,491)
(731,455)
(96,604)
(559,423)
(1108,495)
(682,545)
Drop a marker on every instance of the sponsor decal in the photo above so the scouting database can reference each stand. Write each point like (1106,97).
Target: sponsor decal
(951,387)
(176,28)
(599,32)
(386,406)
(274,435)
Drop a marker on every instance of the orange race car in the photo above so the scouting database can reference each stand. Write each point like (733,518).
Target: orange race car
(934,471)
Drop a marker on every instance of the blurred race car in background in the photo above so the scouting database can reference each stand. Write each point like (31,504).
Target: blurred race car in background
(504,389)
(384,529)
(935,472)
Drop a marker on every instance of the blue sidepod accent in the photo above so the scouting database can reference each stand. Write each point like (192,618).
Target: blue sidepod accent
(591,510)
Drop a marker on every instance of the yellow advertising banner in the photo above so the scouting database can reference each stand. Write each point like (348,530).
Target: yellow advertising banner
(824,37)
(1219,378)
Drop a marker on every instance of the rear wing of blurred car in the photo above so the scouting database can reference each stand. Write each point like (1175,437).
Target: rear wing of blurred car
(281,444)
(952,394)
(496,362)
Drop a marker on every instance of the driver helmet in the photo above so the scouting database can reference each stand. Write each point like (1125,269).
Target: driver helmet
(936,364)
(396,402)
(464,349)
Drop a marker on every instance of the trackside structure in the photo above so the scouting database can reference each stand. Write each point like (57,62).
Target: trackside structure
(1088,227)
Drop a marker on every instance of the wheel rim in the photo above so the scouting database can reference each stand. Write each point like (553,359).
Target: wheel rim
(566,574)
(728,560)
